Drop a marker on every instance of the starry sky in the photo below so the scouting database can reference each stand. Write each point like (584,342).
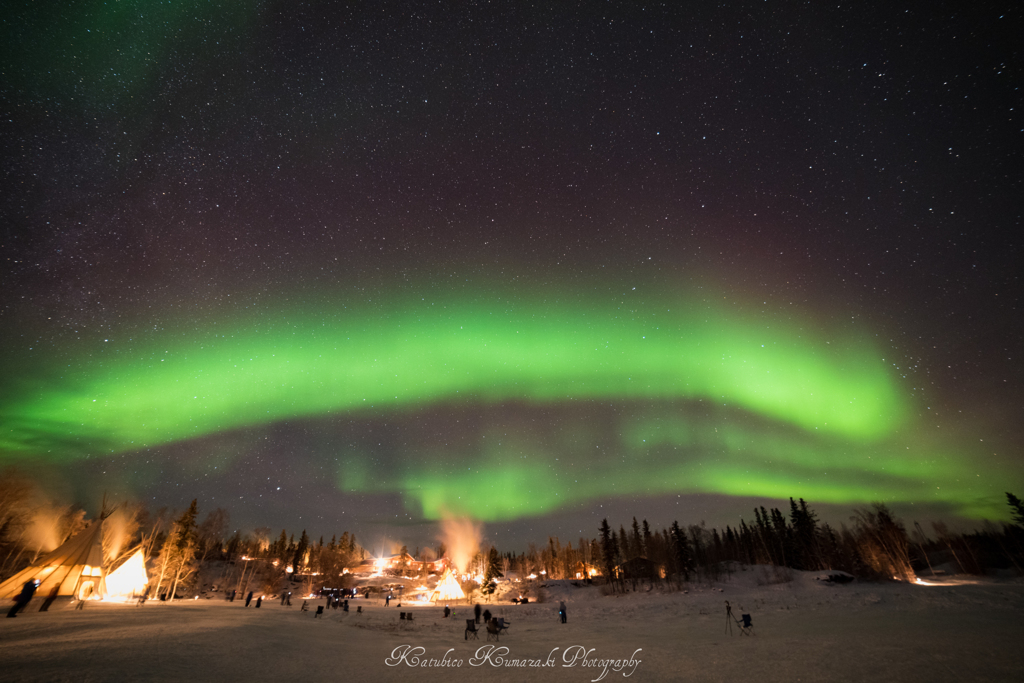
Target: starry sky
(365,266)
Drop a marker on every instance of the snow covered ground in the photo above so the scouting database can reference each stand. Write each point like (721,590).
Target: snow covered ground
(805,630)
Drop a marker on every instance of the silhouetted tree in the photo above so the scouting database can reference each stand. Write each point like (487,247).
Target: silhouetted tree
(608,550)
(492,572)
(681,550)
(1016,508)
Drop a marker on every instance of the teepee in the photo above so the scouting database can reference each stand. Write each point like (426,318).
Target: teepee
(129,580)
(75,568)
(448,590)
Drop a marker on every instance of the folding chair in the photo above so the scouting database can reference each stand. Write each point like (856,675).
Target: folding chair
(746,626)
(471,629)
(492,630)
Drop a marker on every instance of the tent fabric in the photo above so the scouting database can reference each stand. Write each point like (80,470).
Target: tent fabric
(129,579)
(448,590)
(75,568)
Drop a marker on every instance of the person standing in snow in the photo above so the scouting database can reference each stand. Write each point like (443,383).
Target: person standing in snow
(248,599)
(24,597)
(259,601)
(562,610)
(476,612)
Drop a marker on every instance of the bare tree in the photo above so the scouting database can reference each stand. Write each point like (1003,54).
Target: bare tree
(883,543)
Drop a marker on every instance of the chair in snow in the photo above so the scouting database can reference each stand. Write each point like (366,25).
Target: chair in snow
(471,629)
(492,630)
(746,625)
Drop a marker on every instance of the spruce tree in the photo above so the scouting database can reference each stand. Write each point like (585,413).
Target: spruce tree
(1016,508)
(681,549)
(300,552)
(608,550)
(186,525)
(635,542)
(492,572)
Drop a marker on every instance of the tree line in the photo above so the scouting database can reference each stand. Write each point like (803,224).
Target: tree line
(875,544)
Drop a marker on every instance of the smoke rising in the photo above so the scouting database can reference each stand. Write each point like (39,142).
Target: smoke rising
(462,537)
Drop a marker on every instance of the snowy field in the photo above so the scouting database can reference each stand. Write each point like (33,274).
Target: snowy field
(805,630)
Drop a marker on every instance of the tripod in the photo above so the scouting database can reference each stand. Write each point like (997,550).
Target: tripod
(729,618)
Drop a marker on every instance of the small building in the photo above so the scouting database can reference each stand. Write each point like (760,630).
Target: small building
(378,565)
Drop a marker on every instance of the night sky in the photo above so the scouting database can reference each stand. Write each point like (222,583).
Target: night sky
(363,266)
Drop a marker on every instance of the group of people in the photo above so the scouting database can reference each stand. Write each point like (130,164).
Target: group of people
(563,612)
(335,602)
(477,612)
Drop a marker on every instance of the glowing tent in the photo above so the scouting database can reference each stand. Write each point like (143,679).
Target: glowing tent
(75,568)
(129,580)
(448,590)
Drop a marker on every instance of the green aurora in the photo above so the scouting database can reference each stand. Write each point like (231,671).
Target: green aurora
(311,365)
(793,409)
(682,453)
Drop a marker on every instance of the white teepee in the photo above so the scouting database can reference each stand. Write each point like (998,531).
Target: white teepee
(75,568)
(129,580)
(448,590)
